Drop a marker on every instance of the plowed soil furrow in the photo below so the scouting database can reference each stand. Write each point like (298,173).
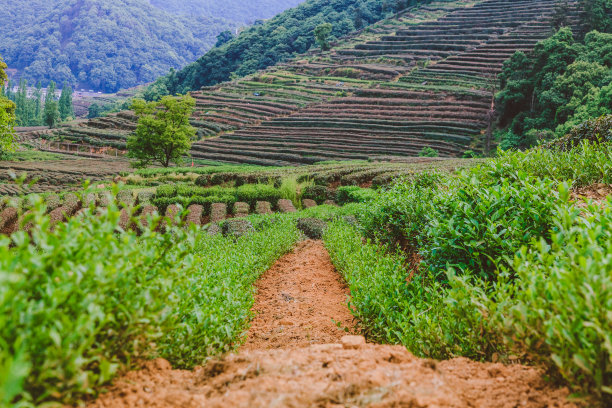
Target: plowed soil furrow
(296,356)
(298,302)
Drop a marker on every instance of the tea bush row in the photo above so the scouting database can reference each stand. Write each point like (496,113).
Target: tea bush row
(508,267)
(83,300)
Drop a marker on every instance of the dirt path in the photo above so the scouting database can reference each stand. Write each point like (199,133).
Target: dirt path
(298,300)
(296,356)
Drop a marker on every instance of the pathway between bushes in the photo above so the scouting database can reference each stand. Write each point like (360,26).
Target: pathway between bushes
(296,355)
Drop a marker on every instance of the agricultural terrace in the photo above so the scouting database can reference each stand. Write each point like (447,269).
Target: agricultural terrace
(423,79)
(447,261)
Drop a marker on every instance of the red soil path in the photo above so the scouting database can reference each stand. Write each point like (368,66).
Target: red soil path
(296,356)
(298,300)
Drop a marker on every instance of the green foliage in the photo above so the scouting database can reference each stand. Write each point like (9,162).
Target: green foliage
(588,163)
(394,307)
(321,33)
(317,193)
(187,195)
(81,301)
(560,85)
(7,118)
(103,45)
(428,152)
(163,134)
(251,193)
(595,15)
(66,109)
(276,40)
(224,37)
(7,123)
(354,194)
(509,267)
(593,130)
(313,228)
(562,301)
(51,115)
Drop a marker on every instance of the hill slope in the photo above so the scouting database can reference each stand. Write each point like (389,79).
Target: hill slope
(425,78)
(280,38)
(109,45)
(231,10)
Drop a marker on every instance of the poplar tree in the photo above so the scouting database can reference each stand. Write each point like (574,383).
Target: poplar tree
(65,103)
(51,113)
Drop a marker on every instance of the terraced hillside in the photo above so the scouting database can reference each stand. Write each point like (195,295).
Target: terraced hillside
(425,78)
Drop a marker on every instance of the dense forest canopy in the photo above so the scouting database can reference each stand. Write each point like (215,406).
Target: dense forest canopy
(566,81)
(233,10)
(287,34)
(109,45)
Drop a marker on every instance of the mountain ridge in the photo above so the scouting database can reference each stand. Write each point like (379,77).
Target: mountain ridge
(106,46)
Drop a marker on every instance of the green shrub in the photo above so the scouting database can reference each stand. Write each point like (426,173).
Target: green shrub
(162,203)
(596,130)
(430,319)
(561,315)
(354,194)
(583,165)
(82,301)
(317,193)
(428,152)
(477,226)
(251,193)
(313,228)
(167,190)
(400,214)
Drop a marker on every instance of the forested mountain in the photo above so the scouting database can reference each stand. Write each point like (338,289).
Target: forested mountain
(108,45)
(287,34)
(232,10)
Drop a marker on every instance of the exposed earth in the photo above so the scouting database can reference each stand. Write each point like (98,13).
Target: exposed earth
(296,355)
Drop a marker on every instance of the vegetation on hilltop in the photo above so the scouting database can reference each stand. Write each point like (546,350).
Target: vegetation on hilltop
(276,40)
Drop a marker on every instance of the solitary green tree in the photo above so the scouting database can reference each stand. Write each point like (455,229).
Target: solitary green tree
(224,37)
(322,32)
(51,113)
(7,118)
(163,133)
(65,103)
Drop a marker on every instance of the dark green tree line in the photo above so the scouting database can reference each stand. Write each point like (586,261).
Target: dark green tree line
(566,81)
(31,109)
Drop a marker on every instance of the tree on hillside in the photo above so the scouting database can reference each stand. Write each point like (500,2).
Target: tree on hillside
(65,103)
(51,112)
(163,133)
(224,37)
(595,15)
(7,118)
(321,33)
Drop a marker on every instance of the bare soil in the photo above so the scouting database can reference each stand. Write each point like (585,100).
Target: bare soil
(298,300)
(597,193)
(296,355)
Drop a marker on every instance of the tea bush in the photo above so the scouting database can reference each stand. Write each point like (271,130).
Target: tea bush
(586,164)
(562,301)
(354,194)
(395,306)
(251,193)
(477,225)
(509,266)
(84,299)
